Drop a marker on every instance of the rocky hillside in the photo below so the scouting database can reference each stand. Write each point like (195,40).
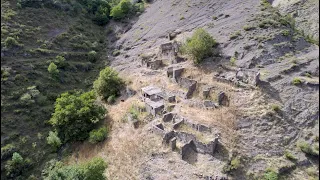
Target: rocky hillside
(249,111)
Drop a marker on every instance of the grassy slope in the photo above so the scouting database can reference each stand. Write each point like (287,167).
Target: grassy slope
(44,34)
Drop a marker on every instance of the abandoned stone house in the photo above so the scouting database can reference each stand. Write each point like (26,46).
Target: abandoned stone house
(189,85)
(154,107)
(247,76)
(152,93)
(169,50)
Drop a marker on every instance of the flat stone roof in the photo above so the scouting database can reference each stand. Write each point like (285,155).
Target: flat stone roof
(151,90)
(154,104)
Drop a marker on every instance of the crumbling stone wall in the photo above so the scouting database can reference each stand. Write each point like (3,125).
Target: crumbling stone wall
(189,84)
(248,76)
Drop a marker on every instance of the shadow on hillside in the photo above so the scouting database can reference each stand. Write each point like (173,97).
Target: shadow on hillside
(267,88)
(212,64)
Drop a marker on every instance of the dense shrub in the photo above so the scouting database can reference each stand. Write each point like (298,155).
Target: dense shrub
(92,56)
(92,170)
(54,140)
(199,45)
(16,165)
(121,10)
(234,164)
(75,115)
(10,42)
(60,61)
(108,84)
(7,151)
(53,69)
(271,175)
(98,135)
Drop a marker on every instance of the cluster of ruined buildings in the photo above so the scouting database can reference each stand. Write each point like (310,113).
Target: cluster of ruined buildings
(156,100)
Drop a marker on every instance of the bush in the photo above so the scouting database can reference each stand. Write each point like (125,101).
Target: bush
(10,42)
(54,140)
(234,164)
(121,10)
(7,151)
(92,170)
(306,148)
(92,56)
(75,115)
(60,61)
(53,69)
(16,165)
(248,28)
(199,45)
(271,175)
(98,135)
(296,81)
(275,108)
(290,156)
(108,84)
(233,61)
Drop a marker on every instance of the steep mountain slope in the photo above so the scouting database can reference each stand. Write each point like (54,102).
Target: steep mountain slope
(261,125)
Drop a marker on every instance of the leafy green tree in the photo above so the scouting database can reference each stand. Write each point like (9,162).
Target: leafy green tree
(126,6)
(108,84)
(54,140)
(98,135)
(75,115)
(53,69)
(92,170)
(16,165)
(199,45)
(117,13)
(60,61)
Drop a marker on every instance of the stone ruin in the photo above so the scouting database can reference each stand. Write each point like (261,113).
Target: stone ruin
(239,77)
(175,73)
(169,51)
(190,144)
(189,85)
(155,98)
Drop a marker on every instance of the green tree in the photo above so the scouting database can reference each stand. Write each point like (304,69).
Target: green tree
(199,45)
(54,140)
(60,61)
(16,165)
(117,13)
(75,115)
(108,84)
(53,69)
(92,170)
(125,6)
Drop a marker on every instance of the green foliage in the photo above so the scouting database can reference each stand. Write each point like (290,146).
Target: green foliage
(275,108)
(75,115)
(117,13)
(134,112)
(92,56)
(111,99)
(53,69)
(234,164)
(290,156)
(235,35)
(11,42)
(271,175)
(285,32)
(7,151)
(307,148)
(60,61)
(233,61)
(16,165)
(98,135)
(54,140)
(121,10)
(92,170)
(108,84)
(248,28)
(199,45)
(116,53)
(296,81)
